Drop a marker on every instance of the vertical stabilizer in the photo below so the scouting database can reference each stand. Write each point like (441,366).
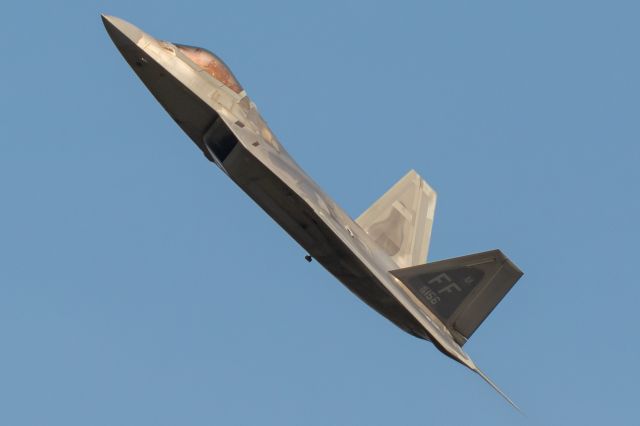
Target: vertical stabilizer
(400,221)
(462,291)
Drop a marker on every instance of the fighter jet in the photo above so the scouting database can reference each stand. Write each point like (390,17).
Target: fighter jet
(380,256)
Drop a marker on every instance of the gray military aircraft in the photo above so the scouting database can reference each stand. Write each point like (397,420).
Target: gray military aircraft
(379,256)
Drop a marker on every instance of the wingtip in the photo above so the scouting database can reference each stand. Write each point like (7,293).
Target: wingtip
(497,389)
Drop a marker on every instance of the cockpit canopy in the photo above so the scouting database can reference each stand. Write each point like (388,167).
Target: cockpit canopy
(213,65)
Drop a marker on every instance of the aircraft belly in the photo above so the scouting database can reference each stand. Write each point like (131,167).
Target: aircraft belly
(209,105)
(226,135)
(300,221)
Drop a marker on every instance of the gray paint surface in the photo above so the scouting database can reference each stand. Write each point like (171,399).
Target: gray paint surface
(374,256)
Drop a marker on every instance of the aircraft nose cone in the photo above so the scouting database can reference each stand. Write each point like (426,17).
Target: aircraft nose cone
(120,30)
(164,76)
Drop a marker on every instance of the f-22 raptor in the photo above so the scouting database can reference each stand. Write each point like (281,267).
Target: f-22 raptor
(379,256)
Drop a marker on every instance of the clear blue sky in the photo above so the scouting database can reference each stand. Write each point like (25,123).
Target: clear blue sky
(139,286)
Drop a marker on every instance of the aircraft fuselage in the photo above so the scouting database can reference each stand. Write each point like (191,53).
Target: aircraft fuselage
(227,127)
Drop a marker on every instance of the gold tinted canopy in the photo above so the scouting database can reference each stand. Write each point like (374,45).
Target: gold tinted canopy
(212,64)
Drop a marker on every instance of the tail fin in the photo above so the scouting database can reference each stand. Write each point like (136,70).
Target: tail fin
(400,221)
(462,291)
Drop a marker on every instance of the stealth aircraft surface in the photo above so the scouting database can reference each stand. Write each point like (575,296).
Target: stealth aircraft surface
(380,256)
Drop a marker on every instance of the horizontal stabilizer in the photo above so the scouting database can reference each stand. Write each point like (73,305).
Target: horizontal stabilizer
(462,291)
